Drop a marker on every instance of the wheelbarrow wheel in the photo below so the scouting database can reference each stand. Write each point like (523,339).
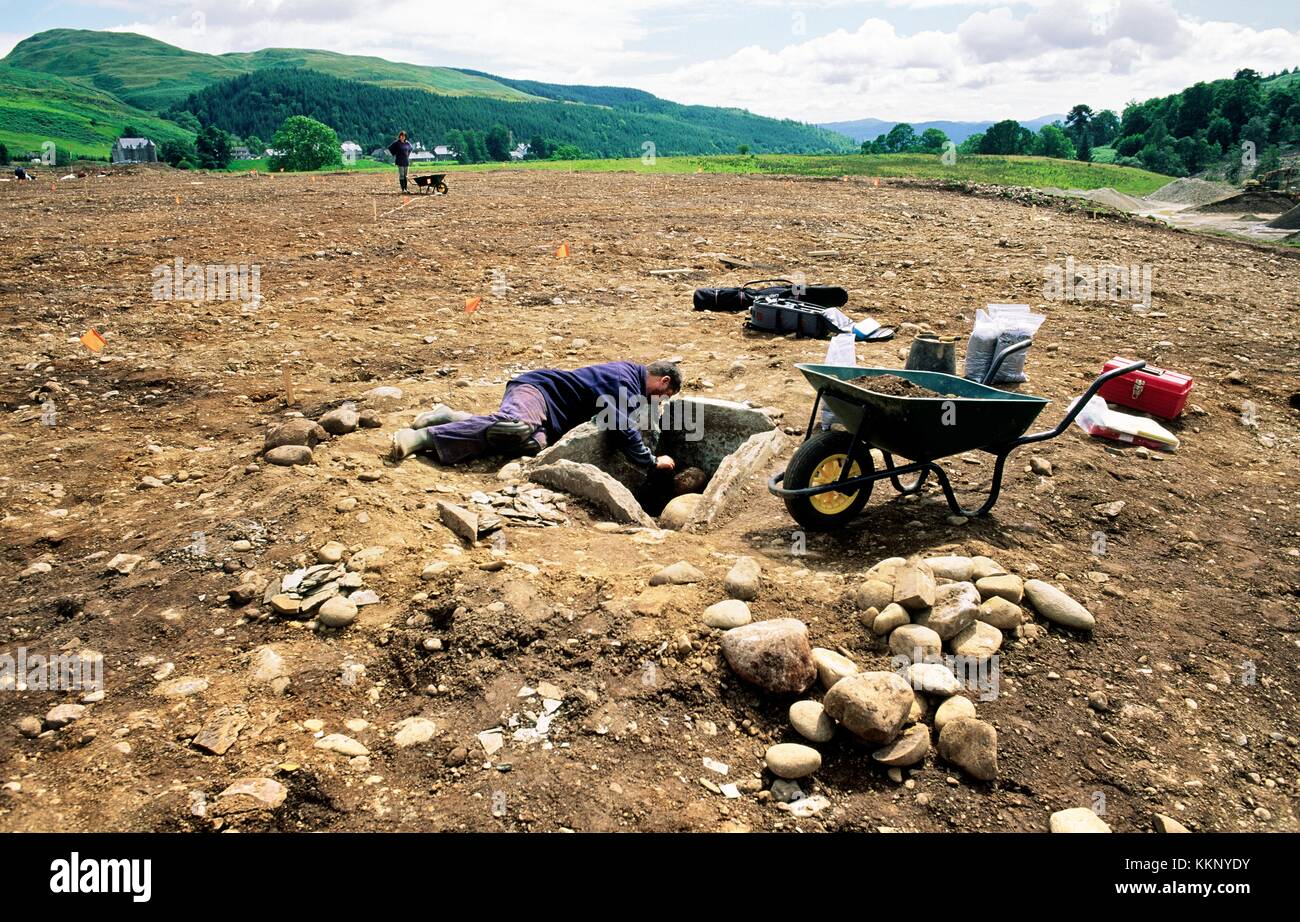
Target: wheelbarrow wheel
(819,461)
(442,188)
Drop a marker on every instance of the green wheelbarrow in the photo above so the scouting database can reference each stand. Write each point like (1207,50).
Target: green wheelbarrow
(829,479)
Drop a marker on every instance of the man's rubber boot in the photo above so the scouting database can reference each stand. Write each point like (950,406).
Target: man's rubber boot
(513,438)
(441,413)
(407,442)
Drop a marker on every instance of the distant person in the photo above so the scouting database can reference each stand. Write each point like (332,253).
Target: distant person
(401,151)
(21,173)
(541,406)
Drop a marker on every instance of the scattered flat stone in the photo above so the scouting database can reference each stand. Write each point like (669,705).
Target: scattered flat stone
(31,727)
(914,586)
(289,455)
(491,741)
(344,745)
(265,665)
(413,731)
(810,721)
(1077,819)
(331,552)
(727,614)
(874,593)
(1040,466)
(1055,605)
(251,794)
(677,574)
(1110,511)
(977,641)
(871,705)
(182,687)
(61,715)
(368,558)
(286,605)
(891,617)
(219,733)
(972,745)
(364,597)
(337,611)
(956,568)
(933,679)
(792,760)
(786,792)
(951,709)
(36,569)
(774,655)
(433,569)
(955,607)
(1004,585)
(809,806)
(1167,824)
(1001,614)
(915,641)
(462,522)
(832,666)
(908,749)
(383,394)
(123,564)
(744,579)
(340,421)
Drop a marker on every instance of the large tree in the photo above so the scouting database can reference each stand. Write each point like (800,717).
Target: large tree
(213,147)
(1007,137)
(303,143)
(1078,125)
(498,142)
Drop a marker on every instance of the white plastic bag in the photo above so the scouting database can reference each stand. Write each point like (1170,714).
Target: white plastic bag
(839,352)
(1000,326)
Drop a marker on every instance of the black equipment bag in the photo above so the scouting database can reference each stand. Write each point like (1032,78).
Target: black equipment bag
(782,315)
(739,299)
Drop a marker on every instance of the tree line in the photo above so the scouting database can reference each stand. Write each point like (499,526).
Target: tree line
(258,103)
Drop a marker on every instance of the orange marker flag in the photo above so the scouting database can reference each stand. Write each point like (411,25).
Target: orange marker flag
(178,200)
(51,187)
(93,341)
(563,251)
(472,304)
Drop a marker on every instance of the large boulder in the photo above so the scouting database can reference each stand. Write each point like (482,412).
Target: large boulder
(972,745)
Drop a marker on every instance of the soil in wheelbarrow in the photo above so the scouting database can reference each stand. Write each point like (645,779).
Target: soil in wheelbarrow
(894,386)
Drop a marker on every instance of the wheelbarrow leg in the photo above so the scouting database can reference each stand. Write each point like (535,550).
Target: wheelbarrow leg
(812,417)
(898,484)
(994,491)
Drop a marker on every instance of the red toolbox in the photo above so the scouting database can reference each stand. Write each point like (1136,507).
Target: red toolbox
(1157,391)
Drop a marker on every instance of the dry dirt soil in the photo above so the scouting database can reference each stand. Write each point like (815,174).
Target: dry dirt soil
(1195,587)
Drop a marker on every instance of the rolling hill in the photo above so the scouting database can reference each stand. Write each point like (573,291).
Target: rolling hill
(80,87)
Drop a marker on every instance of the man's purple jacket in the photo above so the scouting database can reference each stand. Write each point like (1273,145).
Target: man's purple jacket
(573,397)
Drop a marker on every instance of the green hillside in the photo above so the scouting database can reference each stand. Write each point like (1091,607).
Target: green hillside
(153,75)
(36,107)
(258,103)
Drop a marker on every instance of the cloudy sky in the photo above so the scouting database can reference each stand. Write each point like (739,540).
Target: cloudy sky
(817,60)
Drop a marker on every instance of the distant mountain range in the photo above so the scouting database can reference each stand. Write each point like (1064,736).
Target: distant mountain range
(868,129)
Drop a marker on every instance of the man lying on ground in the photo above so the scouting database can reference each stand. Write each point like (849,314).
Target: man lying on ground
(541,406)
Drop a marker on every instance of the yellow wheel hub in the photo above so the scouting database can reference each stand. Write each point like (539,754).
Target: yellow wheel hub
(831,502)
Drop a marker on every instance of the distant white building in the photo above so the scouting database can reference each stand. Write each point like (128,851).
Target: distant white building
(420,156)
(519,151)
(443,152)
(241,153)
(350,148)
(134,150)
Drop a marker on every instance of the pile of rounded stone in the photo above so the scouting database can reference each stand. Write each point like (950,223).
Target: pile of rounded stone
(291,442)
(919,608)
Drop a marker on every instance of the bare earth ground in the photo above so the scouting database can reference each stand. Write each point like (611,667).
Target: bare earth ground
(1198,585)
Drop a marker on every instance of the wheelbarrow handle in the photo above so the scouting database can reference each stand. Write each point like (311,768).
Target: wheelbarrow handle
(1002,357)
(1080,404)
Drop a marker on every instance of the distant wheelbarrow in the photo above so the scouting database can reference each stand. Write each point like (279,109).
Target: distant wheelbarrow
(432,183)
(830,476)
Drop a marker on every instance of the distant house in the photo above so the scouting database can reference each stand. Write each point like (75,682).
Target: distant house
(379,153)
(518,152)
(443,152)
(134,150)
(241,153)
(420,156)
(350,149)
